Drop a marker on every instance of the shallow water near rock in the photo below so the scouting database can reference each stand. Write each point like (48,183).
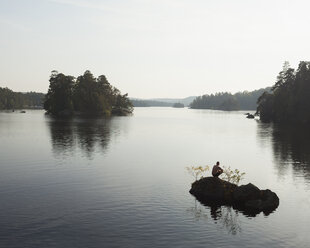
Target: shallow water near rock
(121,181)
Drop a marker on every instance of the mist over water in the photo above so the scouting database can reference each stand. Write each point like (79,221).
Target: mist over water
(121,181)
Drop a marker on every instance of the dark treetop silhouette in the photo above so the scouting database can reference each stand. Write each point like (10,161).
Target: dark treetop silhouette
(289,100)
(86,94)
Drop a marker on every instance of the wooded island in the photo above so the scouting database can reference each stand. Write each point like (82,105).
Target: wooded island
(86,94)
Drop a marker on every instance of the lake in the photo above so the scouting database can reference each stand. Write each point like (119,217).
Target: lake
(122,182)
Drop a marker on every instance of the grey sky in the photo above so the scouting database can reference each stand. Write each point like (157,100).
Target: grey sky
(153,48)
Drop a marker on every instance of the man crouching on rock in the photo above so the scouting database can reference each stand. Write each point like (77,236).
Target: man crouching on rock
(217,170)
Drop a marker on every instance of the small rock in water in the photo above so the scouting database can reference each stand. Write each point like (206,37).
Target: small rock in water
(249,198)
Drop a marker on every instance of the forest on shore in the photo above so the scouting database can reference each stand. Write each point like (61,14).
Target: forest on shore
(18,100)
(289,99)
(226,101)
(84,94)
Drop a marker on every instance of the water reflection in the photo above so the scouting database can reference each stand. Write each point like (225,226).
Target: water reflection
(198,211)
(225,216)
(291,146)
(86,134)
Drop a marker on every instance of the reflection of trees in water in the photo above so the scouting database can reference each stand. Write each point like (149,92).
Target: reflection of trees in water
(92,133)
(62,136)
(226,216)
(264,132)
(291,146)
(83,133)
(198,211)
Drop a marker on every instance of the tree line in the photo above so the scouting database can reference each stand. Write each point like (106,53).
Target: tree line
(17,100)
(226,101)
(85,94)
(289,99)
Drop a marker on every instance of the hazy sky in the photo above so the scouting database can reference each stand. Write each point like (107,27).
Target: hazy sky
(153,48)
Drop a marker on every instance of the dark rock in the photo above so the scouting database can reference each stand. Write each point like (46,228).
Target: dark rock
(245,193)
(213,189)
(248,198)
(268,201)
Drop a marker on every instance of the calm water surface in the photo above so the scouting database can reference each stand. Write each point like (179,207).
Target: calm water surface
(121,182)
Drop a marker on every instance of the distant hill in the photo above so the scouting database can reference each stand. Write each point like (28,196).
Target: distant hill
(186,101)
(149,103)
(161,102)
(246,100)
